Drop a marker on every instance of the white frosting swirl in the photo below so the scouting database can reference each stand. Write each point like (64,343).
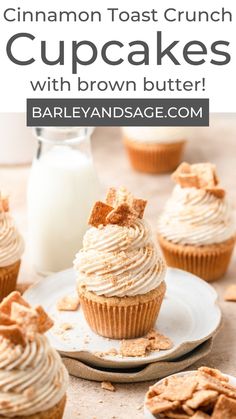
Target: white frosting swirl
(32,378)
(120,261)
(11,242)
(155,134)
(196,217)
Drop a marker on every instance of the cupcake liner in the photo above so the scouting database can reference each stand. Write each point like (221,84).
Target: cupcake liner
(8,278)
(122,318)
(208,262)
(154,158)
(55,412)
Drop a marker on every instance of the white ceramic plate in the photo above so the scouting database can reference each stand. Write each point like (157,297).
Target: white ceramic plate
(147,413)
(189,316)
(153,371)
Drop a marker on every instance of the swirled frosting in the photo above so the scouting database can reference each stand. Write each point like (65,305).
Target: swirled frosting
(155,134)
(196,217)
(32,378)
(11,242)
(120,261)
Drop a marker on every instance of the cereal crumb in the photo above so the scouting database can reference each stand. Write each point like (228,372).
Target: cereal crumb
(68,303)
(66,326)
(230,293)
(106,385)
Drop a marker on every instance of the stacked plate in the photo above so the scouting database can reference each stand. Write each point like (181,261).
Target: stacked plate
(189,316)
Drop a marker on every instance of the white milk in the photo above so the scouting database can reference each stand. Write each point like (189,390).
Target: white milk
(62,189)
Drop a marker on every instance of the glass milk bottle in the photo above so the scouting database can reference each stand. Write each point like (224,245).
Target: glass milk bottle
(62,188)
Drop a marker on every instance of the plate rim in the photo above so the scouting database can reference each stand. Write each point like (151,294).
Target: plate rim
(108,361)
(142,375)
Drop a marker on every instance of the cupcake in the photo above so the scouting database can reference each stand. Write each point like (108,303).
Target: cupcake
(120,271)
(196,229)
(33,379)
(11,250)
(154,149)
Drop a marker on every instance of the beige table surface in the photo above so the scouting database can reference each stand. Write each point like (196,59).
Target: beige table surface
(217,144)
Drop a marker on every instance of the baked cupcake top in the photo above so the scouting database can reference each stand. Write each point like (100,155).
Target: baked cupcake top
(197,212)
(119,257)
(32,375)
(11,242)
(155,134)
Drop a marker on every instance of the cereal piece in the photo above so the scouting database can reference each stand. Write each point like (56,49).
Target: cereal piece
(224,408)
(183,169)
(217,192)
(176,415)
(6,320)
(201,176)
(205,381)
(188,410)
(157,390)
(122,215)
(158,341)
(111,197)
(112,352)
(99,213)
(230,293)
(213,372)
(202,398)
(200,415)
(14,334)
(206,173)
(184,177)
(187,181)
(68,303)
(158,405)
(123,196)
(106,385)
(134,347)
(181,389)
(4,203)
(44,322)
(99,354)
(139,206)
(26,317)
(5,305)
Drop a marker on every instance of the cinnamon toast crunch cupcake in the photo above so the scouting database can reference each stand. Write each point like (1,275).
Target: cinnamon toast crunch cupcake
(154,149)
(11,250)
(196,230)
(33,379)
(120,271)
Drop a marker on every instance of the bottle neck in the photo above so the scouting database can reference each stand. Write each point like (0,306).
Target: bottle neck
(77,138)
(65,135)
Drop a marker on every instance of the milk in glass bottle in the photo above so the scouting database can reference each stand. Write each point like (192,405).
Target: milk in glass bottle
(62,188)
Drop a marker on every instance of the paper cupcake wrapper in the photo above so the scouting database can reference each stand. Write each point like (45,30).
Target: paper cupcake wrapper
(8,278)
(122,318)
(207,262)
(156,158)
(55,412)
